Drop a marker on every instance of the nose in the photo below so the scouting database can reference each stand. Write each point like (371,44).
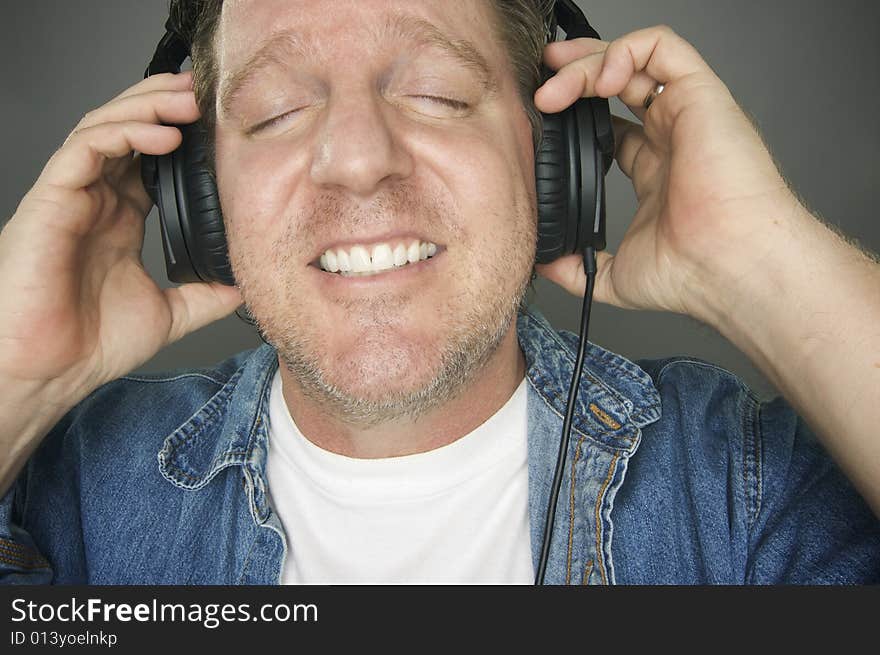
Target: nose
(357,148)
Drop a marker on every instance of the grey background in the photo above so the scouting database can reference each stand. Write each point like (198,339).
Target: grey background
(807,71)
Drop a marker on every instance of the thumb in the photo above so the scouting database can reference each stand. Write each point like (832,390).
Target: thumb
(568,273)
(197,304)
(604,288)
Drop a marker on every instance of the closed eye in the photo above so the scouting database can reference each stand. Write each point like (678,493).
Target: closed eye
(259,127)
(449,102)
(458,105)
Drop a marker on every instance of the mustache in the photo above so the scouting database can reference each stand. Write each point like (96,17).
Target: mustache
(401,207)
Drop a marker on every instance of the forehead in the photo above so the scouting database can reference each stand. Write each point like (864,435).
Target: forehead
(335,27)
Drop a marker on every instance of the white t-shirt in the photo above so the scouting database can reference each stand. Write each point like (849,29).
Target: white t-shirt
(456,514)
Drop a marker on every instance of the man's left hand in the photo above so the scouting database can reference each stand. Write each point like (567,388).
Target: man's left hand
(711,199)
(718,235)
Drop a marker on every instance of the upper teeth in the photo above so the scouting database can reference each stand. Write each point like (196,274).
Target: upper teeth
(380,257)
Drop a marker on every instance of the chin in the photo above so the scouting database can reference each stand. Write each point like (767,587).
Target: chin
(374,368)
(378,381)
(394,355)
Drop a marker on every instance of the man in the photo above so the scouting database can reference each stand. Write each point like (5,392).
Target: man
(405,424)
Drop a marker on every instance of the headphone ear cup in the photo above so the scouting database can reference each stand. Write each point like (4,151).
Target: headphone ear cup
(553,185)
(202,222)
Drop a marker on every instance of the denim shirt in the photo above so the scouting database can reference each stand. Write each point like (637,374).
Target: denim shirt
(676,473)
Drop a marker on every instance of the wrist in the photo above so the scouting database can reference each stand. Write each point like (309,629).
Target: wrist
(785,298)
(761,260)
(28,411)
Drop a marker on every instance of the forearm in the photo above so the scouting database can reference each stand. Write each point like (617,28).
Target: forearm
(807,313)
(28,411)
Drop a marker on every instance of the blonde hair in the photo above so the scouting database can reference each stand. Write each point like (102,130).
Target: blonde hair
(521,25)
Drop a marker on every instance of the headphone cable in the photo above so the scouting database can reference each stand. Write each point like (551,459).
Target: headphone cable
(590,270)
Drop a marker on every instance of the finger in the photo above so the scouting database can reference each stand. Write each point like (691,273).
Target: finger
(577,79)
(630,67)
(568,273)
(166,107)
(559,53)
(131,186)
(174,107)
(628,137)
(658,51)
(572,81)
(635,93)
(81,160)
(160,82)
(632,153)
(634,64)
(197,304)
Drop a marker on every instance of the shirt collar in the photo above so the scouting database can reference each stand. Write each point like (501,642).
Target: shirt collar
(230,429)
(616,398)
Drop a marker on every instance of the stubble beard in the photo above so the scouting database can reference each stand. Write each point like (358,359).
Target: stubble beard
(474,332)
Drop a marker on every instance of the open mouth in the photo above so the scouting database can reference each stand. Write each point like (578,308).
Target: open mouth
(362,261)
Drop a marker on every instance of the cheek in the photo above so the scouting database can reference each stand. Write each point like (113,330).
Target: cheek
(489,175)
(491,189)
(256,185)
(253,208)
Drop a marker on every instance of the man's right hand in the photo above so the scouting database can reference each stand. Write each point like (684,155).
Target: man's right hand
(77,308)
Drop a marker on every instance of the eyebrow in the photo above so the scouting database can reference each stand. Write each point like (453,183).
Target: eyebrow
(278,48)
(287,45)
(424,33)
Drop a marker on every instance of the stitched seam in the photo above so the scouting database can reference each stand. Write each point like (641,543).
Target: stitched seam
(538,385)
(32,562)
(574,428)
(701,364)
(751,475)
(11,545)
(599,556)
(610,359)
(210,408)
(596,352)
(227,460)
(571,356)
(182,376)
(587,570)
(757,437)
(214,406)
(252,493)
(577,456)
(22,565)
(247,559)
(181,438)
(748,452)
(584,374)
(759,478)
(26,563)
(25,553)
(605,417)
(252,439)
(255,427)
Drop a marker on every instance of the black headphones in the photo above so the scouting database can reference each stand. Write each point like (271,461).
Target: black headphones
(570,166)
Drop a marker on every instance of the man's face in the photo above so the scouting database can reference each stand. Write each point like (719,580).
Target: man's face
(395,123)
